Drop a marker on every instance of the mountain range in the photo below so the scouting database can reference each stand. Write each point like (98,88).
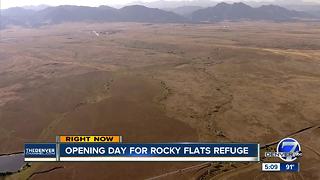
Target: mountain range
(239,11)
(139,13)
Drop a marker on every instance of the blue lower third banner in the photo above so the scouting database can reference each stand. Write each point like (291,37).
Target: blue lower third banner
(159,152)
(40,152)
(141,152)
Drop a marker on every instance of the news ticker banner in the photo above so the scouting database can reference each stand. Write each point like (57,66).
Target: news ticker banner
(65,151)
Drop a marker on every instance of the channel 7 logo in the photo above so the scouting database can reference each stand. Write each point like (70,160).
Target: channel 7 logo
(288,150)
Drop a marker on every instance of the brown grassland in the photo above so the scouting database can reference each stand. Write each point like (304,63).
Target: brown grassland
(224,82)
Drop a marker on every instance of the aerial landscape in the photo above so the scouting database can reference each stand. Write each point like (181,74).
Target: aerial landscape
(226,73)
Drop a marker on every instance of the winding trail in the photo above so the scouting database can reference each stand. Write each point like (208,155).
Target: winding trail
(14,153)
(44,171)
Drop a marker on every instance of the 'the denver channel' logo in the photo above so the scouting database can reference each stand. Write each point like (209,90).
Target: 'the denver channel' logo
(288,150)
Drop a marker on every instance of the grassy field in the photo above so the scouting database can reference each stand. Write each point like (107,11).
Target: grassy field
(225,82)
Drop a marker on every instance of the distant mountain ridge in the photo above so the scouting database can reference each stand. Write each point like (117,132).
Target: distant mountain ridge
(239,11)
(61,14)
(185,10)
(36,8)
(138,13)
(68,13)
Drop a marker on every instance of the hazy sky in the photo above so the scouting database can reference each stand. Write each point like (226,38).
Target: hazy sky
(13,3)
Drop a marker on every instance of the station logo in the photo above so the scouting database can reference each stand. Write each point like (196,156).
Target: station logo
(288,150)
(40,150)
